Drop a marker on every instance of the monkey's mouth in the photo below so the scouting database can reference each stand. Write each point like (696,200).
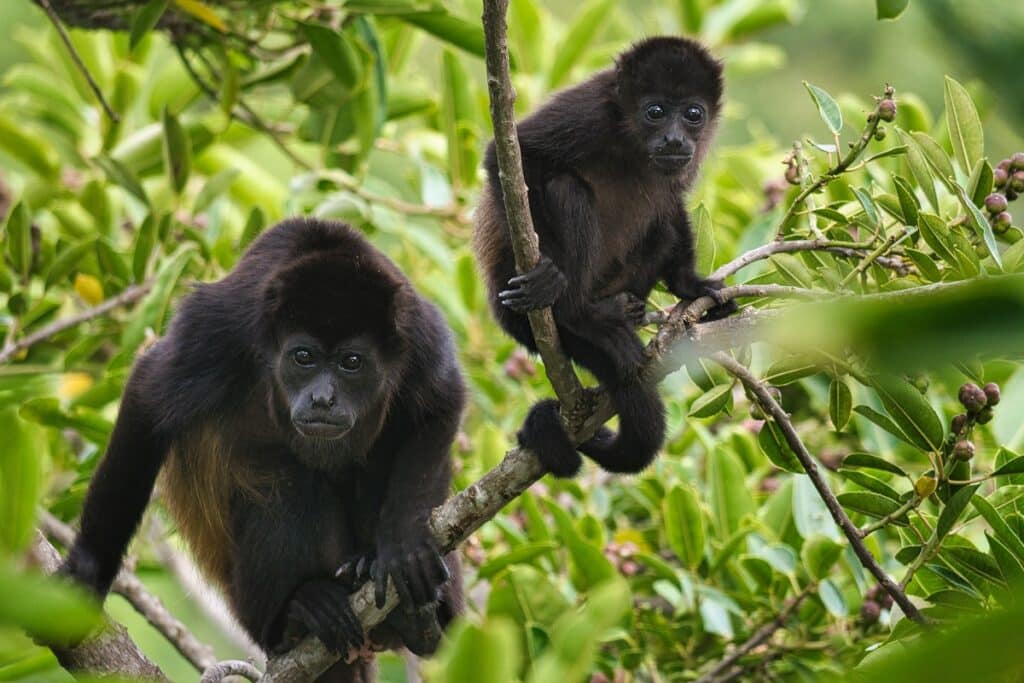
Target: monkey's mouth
(671,162)
(320,429)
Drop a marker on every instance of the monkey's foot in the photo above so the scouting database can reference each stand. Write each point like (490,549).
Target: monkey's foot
(417,627)
(415,566)
(537,289)
(543,434)
(320,607)
(723,307)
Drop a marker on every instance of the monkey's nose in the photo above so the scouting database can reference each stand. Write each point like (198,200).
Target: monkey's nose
(322,401)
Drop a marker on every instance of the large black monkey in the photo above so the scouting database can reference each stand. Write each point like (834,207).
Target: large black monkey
(302,411)
(606,163)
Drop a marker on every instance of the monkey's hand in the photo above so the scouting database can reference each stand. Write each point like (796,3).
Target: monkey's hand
(723,307)
(537,289)
(413,563)
(626,305)
(320,607)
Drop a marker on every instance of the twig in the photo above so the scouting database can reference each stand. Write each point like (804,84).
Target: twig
(767,250)
(127,584)
(869,529)
(133,293)
(757,637)
(517,207)
(887,244)
(77,59)
(451,211)
(744,292)
(109,651)
(769,405)
(230,667)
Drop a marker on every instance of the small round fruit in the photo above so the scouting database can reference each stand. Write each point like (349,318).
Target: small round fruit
(985,416)
(925,486)
(870,611)
(992,393)
(999,177)
(963,450)
(1017,161)
(995,203)
(956,425)
(880,133)
(972,397)
(887,110)
(1017,181)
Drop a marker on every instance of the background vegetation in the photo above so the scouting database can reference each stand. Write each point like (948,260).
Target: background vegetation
(233,115)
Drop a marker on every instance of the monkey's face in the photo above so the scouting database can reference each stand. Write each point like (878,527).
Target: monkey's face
(672,131)
(328,387)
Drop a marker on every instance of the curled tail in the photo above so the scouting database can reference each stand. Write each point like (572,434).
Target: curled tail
(634,447)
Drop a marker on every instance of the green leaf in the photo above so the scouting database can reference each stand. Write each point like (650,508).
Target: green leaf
(468,36)
(466,277)
(119,174)
(935,156)
(980,184)
(884,422)
(810,514)
(47,607)
(704,234)
(818,554)
(28,148)
(919,168)
(840,403)
(144,20)
(459,119)
(980,225)
(67,260)
(1009,566)
(488,653)
(910,410)
(728,495)
(871,483)
(684,525)
(213,188)
(18,228)
(828,108)
(926,266)
(868,204)
(712,402)
(999,525)
(522,554)
(1014,466)
(336,52)
(974,561)
(21,479)
(254,225)
(832,598)
(909,205)
(936,234)
(774,445)
(790,369)
(154,309)
(588,565)
(145,238)
(890,9)
(964,125)
(177,152)
(590,18)
(870,504)
(793,270)
(954,507)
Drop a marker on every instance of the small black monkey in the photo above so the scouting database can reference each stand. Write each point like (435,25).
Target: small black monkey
(606,163)
(302,411)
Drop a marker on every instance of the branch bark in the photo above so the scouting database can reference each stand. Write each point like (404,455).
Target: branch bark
(108,652)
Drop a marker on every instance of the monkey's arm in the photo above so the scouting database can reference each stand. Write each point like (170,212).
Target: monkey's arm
(122,483)
(681,273)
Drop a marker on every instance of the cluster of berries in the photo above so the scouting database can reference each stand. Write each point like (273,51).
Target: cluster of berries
(1008,178)
(979,402)
(875,601)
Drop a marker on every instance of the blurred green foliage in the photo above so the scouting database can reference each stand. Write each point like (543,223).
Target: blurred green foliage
(376,113)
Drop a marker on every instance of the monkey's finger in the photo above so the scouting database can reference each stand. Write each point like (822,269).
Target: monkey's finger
(509,293)
(380,585)
(520,280)
(402,582)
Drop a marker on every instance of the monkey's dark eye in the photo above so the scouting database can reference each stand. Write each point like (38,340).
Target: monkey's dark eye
(351,362)
(303,357)
(694,114)
(655,112)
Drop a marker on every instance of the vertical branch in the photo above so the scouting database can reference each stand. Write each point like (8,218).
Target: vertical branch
(853,535)
(517,205)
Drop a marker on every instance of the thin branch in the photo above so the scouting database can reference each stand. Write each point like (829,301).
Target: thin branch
(769,405)
(127,584)
(77,59)
(902,510)
(129,295)
(517,207)
(767,250)
(109,651)
(757,637)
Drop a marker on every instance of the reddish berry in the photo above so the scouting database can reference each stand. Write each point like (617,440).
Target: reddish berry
(958,422)
(887,110)
(991,393)
(972,397)
(995,202)
(869,612)
(964,450)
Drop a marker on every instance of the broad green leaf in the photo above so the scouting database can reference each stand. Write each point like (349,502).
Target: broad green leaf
(728,496)
(47,607)
(684,525)
(936,234)
(840,403)
(1009,566)
(868,204)
(871,483)
(28,148)
(67,260)
(884,422)
(974,562)
(790,369)
(870,504)
(18,233)
(828,108)
(588,565)
(459,119)
(336,51)
(891,152)
(589,20)
(980,225)
(999,525)
(909,205)
(954,507)
(774,445)
(466,35)
(112,262)
(213,188)
(818,554)
(890,9)
(832,598)
(935,156)
(926,266)
(145,20)
(980,184)
(704,234)
(489,653)
(712,402)
(177,152)
(715,618)
(919,168)
(793,270)
(523,554)
(964,125)
(810,514)
(21,479)
(910,410)
(1014,466)
(118,173)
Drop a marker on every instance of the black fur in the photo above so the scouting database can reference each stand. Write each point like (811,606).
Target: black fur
(271,513)
(606,173)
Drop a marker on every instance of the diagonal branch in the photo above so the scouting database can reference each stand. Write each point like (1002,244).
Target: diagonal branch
(771,407)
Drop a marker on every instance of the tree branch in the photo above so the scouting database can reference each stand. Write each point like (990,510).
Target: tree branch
(129,295)
(109,651)
(771,407)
